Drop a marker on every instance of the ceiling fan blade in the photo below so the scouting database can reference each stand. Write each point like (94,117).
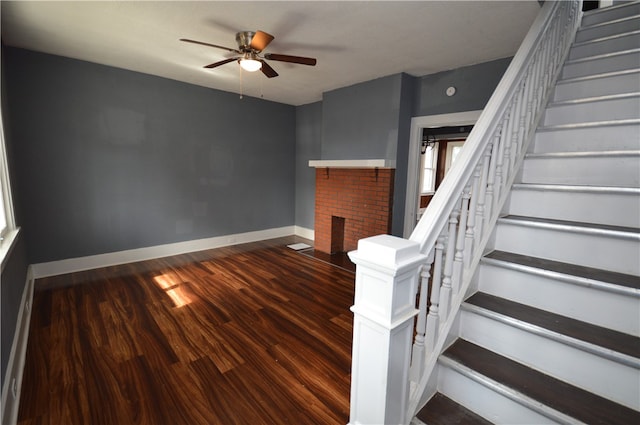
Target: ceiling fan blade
(260,40)
(292,59)
(267,70)
(210,45)
(213,65)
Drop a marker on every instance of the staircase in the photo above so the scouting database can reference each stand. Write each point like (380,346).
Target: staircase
(551,332)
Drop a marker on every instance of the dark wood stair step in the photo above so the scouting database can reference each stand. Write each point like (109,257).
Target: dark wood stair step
(597,335)
(558,395)
(621,279)
(441,410)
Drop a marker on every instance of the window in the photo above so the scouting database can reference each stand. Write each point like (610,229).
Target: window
(428,170)
(453,148)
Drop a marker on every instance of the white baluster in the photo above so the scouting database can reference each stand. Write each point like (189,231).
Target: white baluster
(528,98)
(458,259)
(499,161)
(506,163)
(471,220)
(482,194)
(450,244)
(417,354)
(537,81)
(522,129)
(491,180)
(433,319)
(515,136)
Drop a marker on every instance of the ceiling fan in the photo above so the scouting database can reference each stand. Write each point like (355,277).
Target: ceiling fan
(250,46)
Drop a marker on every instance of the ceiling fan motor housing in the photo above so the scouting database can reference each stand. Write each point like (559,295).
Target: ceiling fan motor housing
(243,38)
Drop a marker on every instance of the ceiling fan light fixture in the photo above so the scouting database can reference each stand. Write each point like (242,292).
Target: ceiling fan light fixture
(250,63)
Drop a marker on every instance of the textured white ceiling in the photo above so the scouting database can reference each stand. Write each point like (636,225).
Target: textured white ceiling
(353,41)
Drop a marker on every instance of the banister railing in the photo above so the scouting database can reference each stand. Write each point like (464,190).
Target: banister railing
(448,242)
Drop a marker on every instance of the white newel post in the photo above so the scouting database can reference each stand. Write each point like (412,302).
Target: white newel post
(387,272)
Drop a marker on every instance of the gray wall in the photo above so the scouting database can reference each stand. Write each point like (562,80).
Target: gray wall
(14,270)
(361,121)
(407,100)
(12,283)
(109,159)
(308,146)
(372,120)
(474,86)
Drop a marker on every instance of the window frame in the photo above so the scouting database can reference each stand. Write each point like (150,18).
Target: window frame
(433,169)
(9,233)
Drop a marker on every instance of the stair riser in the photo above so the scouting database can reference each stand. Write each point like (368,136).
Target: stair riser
(605,110)
(484,401)
(604,138)
(593,32)
(618,209)
(589,250)
(610,14)
(600,65)
(620,171)
(617,44)
(581,302)
(581,89)
(596,374)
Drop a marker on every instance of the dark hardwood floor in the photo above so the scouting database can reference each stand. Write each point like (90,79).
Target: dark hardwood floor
(249,334)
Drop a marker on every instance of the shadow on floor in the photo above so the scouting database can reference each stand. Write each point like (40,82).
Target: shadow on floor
(340,259)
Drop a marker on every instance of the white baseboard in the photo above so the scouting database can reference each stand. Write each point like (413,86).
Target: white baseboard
(303,232)
(71,265)
(12,384)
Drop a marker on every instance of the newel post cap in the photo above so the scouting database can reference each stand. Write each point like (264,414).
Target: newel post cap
(387,253)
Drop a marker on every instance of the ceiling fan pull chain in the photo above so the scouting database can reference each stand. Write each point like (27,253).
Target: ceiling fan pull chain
(240,68)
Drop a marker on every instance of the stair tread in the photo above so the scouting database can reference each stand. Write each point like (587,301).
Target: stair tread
(603,56)
(589,124)
(558,395)
(602,337)
(608,227)
(441,410)
(616,278)
(606,38)
(599,76)
(593,99)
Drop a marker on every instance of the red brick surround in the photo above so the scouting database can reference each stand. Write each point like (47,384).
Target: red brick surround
(361,196)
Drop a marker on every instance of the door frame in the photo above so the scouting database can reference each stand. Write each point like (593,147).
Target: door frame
(413,163)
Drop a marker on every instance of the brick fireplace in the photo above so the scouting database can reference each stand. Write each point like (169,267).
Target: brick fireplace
(351,204)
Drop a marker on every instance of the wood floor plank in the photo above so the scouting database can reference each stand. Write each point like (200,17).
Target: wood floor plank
(255,333)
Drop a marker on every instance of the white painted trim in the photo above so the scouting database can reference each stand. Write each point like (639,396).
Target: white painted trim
(6,245)
(7,198)
(352,163)
(413,164)
(17,356)
(303,232)
(71,265)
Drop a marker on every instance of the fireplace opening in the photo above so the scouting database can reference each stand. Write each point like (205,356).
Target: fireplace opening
(337,234)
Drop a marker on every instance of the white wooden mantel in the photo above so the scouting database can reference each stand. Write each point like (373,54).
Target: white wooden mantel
(352,163)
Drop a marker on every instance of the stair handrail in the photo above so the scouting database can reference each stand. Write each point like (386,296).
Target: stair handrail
(456,226)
